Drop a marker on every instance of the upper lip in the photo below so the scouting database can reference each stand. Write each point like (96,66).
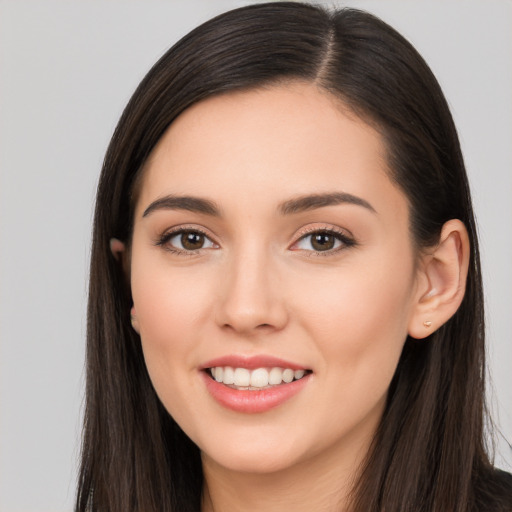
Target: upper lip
(251,362)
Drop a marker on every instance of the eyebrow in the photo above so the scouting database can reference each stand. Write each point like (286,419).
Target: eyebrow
(296,205)
(189,203)
(313,201)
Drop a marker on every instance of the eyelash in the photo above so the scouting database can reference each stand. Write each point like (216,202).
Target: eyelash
(163,241)
(346,241)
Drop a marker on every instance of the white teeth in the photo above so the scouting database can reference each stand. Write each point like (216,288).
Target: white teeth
(275,376)
(242,377)
(288,375)
(257,378)
(219,371)
(229,375)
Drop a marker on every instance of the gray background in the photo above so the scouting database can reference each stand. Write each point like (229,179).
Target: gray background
(66,71)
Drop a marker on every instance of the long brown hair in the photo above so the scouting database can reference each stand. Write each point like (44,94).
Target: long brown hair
(428,453)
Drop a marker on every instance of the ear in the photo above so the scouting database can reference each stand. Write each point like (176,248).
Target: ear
(442,280)
(122,255)
(134,320)
(117,248)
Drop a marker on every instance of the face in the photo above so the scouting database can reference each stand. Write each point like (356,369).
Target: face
(271,249)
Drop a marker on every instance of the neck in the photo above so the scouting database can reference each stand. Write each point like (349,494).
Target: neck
(322,483)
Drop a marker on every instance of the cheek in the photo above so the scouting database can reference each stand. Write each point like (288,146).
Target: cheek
(360,315)
(359,326)
(164,294)
(170,306)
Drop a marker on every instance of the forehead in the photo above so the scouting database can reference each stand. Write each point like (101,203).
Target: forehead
(287,139)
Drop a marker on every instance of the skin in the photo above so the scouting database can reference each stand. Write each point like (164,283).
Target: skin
(258,287)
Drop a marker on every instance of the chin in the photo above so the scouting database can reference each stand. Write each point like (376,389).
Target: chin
(252,457)
(251,463)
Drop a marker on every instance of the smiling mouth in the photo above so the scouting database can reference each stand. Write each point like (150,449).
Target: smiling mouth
(256,379)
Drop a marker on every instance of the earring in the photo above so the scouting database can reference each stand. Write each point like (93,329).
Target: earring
(427,323)
(134,320)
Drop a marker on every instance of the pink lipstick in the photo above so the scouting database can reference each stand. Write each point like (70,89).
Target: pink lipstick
(253,384)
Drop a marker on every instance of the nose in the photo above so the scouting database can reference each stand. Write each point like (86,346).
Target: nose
(252,297)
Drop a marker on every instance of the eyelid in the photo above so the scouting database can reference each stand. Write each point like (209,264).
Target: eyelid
(169,233)
(345,236)
(316,227)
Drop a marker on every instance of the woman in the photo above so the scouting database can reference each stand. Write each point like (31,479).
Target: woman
(285,303)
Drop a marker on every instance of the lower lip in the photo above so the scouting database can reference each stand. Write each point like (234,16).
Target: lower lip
(252,402)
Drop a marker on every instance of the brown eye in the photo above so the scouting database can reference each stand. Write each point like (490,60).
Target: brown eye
(192,240)
(186,240)
(322,241)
